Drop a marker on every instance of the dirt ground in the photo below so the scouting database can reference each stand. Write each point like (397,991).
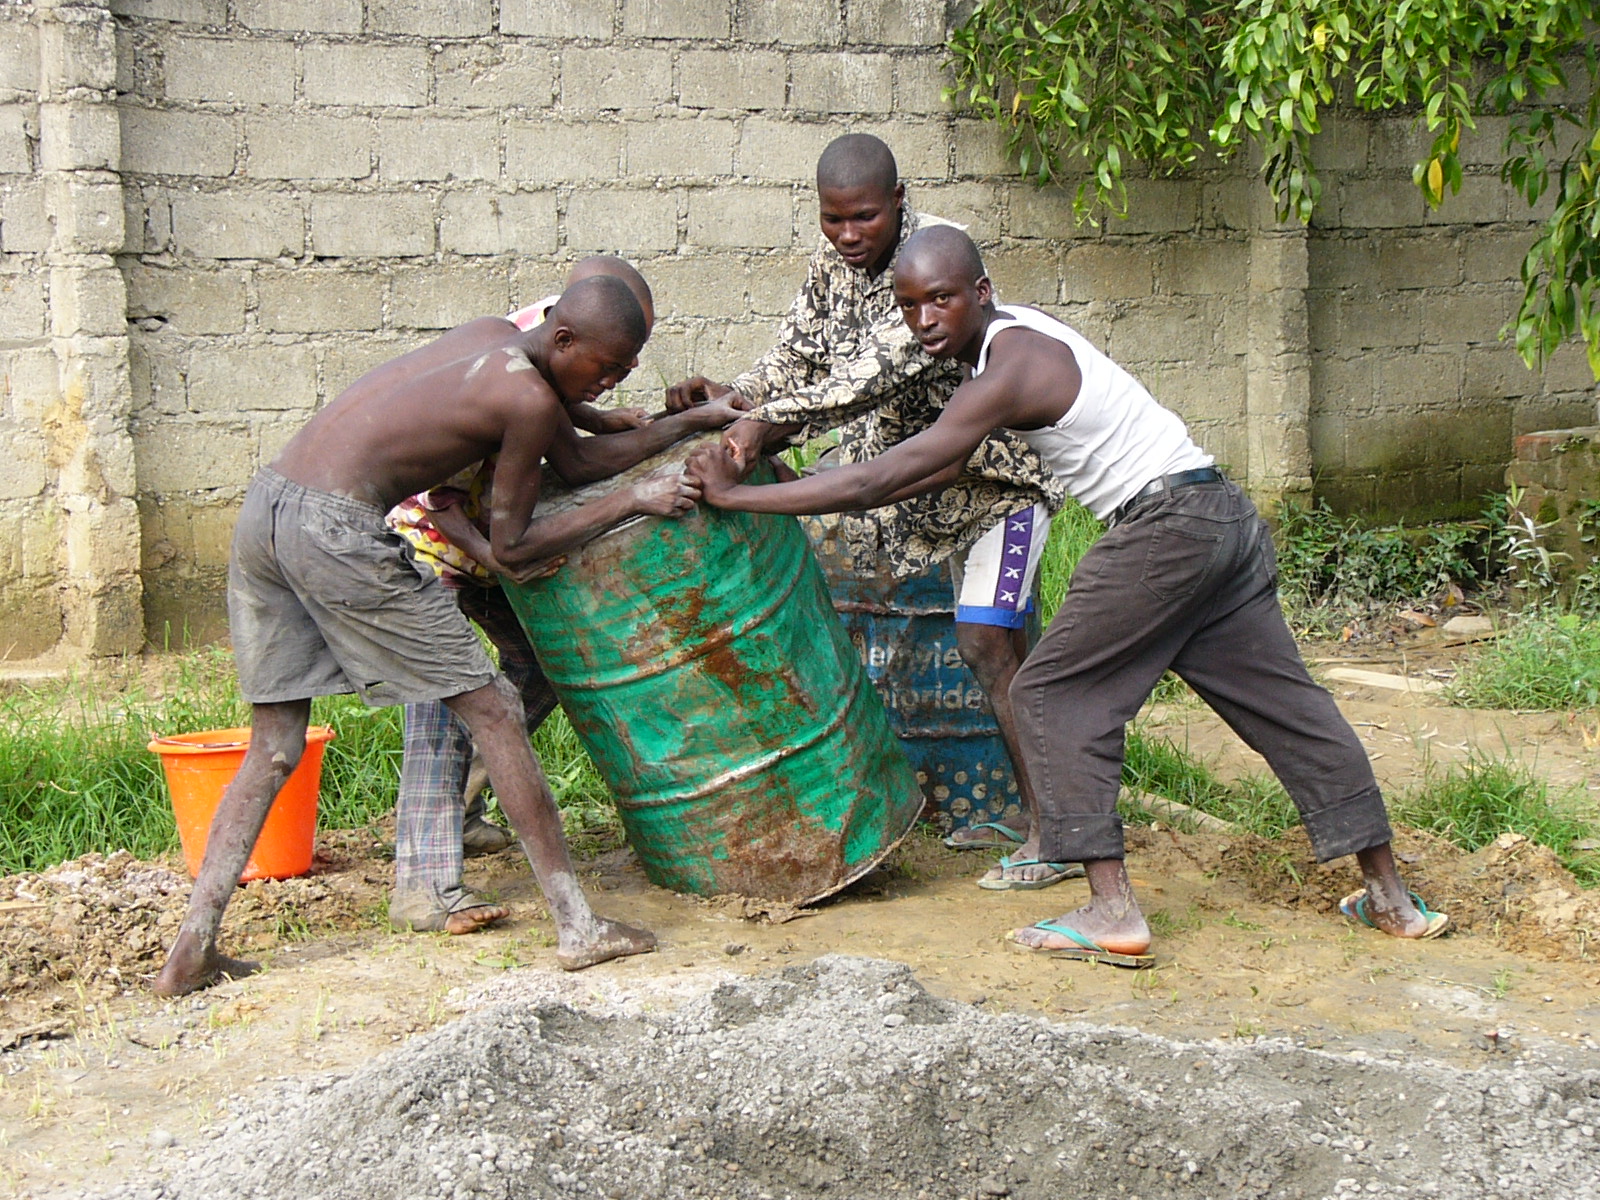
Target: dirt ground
(98,1080)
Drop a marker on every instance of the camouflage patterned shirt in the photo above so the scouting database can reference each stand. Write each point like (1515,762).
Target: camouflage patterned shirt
(844,357)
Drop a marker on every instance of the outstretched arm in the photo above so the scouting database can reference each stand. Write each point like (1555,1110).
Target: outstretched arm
(584,460)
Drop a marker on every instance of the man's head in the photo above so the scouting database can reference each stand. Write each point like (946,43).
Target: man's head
(859,194)
(943,292)
(595,332)
(617,268)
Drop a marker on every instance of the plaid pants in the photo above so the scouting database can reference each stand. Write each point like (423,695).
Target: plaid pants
(438,754)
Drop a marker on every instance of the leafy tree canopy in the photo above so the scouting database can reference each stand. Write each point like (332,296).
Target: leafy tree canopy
(1092,86)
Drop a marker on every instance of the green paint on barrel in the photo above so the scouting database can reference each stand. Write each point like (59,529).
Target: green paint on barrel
(701,664)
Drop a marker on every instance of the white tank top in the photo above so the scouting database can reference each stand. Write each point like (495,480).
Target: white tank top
(1114,438)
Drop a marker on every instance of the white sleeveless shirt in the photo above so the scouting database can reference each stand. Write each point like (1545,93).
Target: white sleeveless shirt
(1114,438)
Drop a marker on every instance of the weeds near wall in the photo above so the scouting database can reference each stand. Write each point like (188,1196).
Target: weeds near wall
(1544,661)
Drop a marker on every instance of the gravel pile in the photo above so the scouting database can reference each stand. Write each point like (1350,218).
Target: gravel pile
(845,1078)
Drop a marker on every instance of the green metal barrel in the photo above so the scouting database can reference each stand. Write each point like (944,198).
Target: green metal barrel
(701,663)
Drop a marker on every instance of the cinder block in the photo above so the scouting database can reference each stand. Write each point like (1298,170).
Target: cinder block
(1493,372)
(22,309)
(1025,276)
(1273,262)
(980,149)
(416,148)
(1160,206)
(1483,200)
(973,205)
(842,83)
(795,23)
(90,301)
(1325,434)
(366,76)
(373,224)
(29,381)
(442,297)
(533,279)
(691,287)
(192,456)
(79,137)
(783,151)
(558,18)
(497,75)
(1344,143)
(614,221)
(237,226)
(432,18)
(1419,262)
(1469,315)
(608,77)
(76,53)
(676,18)
(1342,262)
(17,123)
(308,147)
(187,12)
(155,377)
(895,22)
(666,148)
(303,300)
(1491,256)
(1210,394)
(88,216)
(326,16)
(560,152)
(1099,272)
(725,79)
(24,228)
(1421,379)
(1387,202)
(1566,370)
(1367,322)
(1204,267)
(230,70)
(22,468)
(1160,330)
(741,216)
(177,143)
(919,85)
(774,279)
(233,379)
(1399,142)
(19,54)
(494,223)
(921,147)
(1044,212)
(724,348)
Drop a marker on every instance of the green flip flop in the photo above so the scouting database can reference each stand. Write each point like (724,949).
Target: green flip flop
(1008,837)
(1058,872)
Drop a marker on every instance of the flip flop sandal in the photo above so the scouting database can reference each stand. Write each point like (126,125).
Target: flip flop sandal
(1086,949)
(428,912)
(1008,837)
(1058,872)
(1354,906)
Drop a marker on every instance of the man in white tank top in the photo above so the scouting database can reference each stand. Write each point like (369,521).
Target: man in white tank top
(1184,579)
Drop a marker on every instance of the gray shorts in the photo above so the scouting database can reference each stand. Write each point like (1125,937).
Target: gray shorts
(323,598)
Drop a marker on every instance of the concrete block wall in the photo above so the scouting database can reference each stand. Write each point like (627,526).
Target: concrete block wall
(297,192)
(1416,399)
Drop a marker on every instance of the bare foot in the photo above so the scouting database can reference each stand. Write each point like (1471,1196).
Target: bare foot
(470,920)
(1400,917)
(612,939)
(1125,935)
(189,969)
(988,835)
(1021,870)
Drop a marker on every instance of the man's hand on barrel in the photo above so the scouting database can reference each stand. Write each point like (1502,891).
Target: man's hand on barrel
(668,494)
(715,468)
(697,389)
(714,414)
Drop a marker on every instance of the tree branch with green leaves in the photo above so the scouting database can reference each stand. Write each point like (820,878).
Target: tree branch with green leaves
(1088,88)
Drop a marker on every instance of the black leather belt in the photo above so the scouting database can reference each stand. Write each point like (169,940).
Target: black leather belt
(1166,483)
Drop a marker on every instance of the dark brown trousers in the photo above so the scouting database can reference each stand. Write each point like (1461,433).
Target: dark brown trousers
(1187,581)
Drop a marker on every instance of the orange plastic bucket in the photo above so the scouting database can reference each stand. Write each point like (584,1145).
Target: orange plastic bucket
(200,765)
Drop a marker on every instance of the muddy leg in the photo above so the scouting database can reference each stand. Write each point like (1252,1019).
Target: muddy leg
(1111,919)
(277,739)
(494,715)
(1388,905)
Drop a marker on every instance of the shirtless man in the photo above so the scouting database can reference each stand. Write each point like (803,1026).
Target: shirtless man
(844,358)
(322,600)
(1183,579)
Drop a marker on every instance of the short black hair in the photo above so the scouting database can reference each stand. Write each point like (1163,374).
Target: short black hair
(857,160)
(945,245)
(621,268)
(601,307)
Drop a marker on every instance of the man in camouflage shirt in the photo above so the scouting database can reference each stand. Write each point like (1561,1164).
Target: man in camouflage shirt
(845,358)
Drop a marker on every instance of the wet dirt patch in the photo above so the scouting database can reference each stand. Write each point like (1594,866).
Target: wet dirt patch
(847,1077)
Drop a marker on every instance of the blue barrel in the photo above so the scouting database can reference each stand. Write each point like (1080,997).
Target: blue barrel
(703,669)
(904,634)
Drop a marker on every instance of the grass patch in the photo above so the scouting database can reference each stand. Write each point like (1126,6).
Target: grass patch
(1256,804)
(1544,661)
(1474,802)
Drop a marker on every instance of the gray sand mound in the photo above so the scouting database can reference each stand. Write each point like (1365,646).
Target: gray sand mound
(845,1078)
